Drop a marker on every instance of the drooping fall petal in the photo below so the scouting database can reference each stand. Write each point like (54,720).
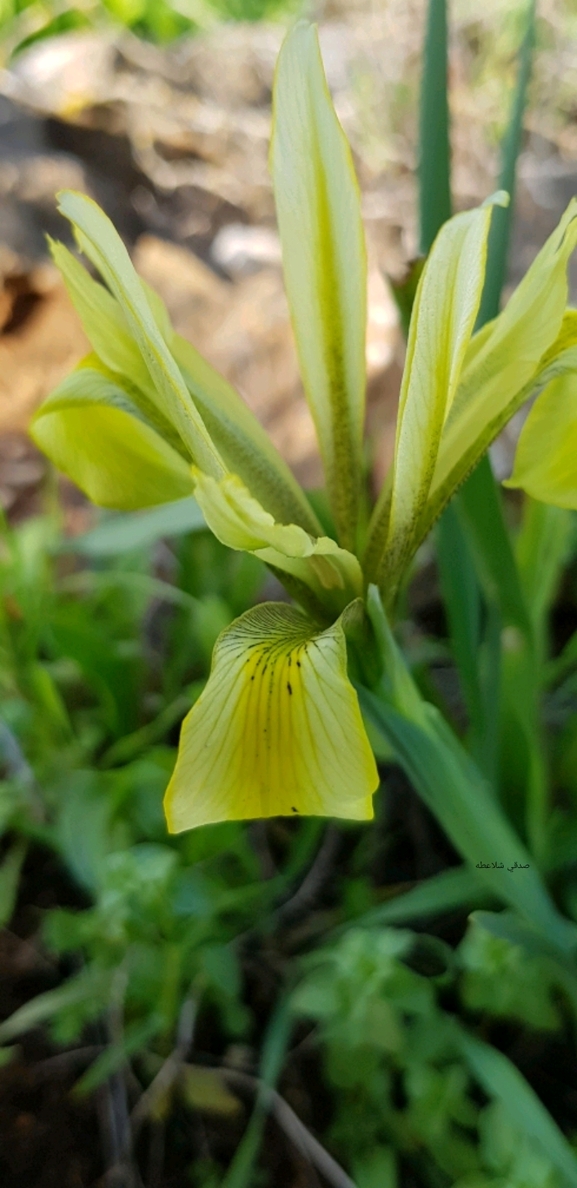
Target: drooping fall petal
(277,730)
(91,431)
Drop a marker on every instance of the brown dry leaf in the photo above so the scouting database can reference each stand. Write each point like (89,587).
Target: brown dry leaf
(205,1089)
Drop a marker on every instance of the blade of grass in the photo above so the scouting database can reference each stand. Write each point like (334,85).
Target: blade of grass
(434,148)
(511,144)
(118,534)
(513,714)
(10,868)
(464,609)
(459,581)
(457,887)
(452,787)
(241,1171)
(503,1081)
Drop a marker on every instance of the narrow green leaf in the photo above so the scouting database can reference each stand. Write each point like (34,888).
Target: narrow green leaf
(479,511)
(318,210)
(90,984)
(434,147)
(9,879)
(138,530)
(457,887)
(453,789)
(136,1037)
(240,1174)
(501,226)
(503,1081)
(100,242)
(451,785)
(462,600)
(90,430)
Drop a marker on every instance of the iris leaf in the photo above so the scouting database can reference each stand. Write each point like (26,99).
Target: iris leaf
(503,1081)
(452,787)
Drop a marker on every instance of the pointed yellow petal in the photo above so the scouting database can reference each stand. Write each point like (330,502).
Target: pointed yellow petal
(90,430)
(318,211)
(503,361)
(241,441)
(102,319)
(442,323)
(560,359)
(240,522)
(100,242)
(546,458)
(277,730)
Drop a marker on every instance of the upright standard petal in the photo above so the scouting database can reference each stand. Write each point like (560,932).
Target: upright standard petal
(318,211)
(100,242)
(442,322)
(277,730)
(503,364)
(91,431)
(546,457)
(102,319)
(238,520)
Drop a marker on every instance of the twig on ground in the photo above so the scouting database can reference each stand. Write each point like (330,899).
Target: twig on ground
(314,879)
(64,1062)
(295,1130)
(171,1068)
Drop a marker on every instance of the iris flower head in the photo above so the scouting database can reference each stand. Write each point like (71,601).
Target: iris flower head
(144,419)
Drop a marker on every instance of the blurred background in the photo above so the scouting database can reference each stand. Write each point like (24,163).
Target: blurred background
(160,109)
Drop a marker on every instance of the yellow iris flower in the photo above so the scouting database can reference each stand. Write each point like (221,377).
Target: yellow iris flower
(145,419)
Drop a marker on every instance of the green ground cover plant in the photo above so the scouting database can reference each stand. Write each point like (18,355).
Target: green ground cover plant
(183,944)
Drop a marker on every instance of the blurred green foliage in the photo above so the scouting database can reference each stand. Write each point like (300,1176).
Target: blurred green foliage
(103,648)
(160,21)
